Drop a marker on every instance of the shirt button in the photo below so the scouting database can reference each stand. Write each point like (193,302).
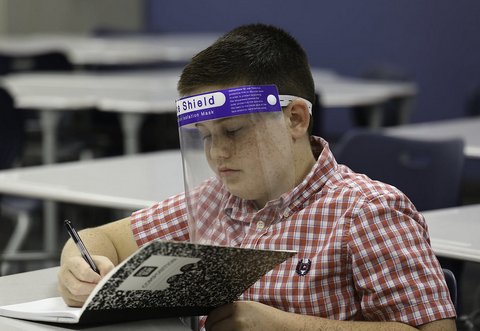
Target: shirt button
(285,214)
(260,225)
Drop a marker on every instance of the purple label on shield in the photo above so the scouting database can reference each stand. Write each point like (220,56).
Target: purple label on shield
(226,103)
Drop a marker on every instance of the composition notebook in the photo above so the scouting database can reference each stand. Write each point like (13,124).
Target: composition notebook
(161,279)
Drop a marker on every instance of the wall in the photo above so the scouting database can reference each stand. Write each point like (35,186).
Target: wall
(436,42)
(69,16)
(3,20)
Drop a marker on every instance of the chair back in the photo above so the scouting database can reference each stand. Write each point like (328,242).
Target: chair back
(317,116)
(428,172)
(451,284)
(11,131)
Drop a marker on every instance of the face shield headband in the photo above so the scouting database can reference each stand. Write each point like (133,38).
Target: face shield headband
(232,102)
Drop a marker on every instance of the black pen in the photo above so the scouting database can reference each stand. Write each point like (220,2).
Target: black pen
(81,247)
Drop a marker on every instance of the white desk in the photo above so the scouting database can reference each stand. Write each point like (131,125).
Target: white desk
(42,284)
(135,93)
(341,91)
(466,128)
(125,50)
(125,183)
(454,232)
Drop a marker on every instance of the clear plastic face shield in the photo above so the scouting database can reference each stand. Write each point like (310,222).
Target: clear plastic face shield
(235,143)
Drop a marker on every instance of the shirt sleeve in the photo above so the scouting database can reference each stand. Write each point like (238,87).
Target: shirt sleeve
(165,220)
(396,274)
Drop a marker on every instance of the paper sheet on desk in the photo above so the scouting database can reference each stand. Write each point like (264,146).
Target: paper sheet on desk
(45,310)
(55,310)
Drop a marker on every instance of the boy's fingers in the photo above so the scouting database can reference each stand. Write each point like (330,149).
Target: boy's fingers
(77,280)
(81,270)
(103,263)
(75,286)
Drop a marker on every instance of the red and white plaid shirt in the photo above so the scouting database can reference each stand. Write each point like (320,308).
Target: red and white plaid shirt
(363,249)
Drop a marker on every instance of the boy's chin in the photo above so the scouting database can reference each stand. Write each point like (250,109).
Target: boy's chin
(240,193)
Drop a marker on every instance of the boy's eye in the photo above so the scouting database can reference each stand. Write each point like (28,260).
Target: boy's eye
(232,132)
(204,134)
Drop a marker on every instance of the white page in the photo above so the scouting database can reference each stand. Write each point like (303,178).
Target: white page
(46,310)
(55,310)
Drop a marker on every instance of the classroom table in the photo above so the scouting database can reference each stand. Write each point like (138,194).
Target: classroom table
(127,182)
(84,50)
(124,183)
(454,232)
(134,94)
(42,284)
(467,129)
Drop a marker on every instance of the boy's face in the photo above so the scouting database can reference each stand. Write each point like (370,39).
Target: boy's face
(251,154)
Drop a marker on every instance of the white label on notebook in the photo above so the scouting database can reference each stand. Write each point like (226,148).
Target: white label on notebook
(153,273)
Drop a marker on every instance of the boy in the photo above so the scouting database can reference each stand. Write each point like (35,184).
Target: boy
(364,261)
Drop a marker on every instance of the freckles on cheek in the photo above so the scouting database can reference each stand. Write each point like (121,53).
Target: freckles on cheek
(211,164)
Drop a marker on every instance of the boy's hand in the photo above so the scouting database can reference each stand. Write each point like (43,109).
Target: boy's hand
(76,279)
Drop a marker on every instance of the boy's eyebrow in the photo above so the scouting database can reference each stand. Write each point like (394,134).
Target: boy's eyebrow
(220,120)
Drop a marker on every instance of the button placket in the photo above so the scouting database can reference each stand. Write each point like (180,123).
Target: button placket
(260,225)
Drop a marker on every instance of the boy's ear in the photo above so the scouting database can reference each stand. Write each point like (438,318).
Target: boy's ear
(299,118)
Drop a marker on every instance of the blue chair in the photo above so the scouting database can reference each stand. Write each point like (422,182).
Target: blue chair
(428,172)
(451,284)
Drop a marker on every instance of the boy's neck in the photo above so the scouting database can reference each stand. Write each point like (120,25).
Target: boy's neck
(304,159)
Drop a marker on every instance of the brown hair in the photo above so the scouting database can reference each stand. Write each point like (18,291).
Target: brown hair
(255,54)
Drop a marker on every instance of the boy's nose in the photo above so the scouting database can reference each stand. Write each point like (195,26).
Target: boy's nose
(220,148)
